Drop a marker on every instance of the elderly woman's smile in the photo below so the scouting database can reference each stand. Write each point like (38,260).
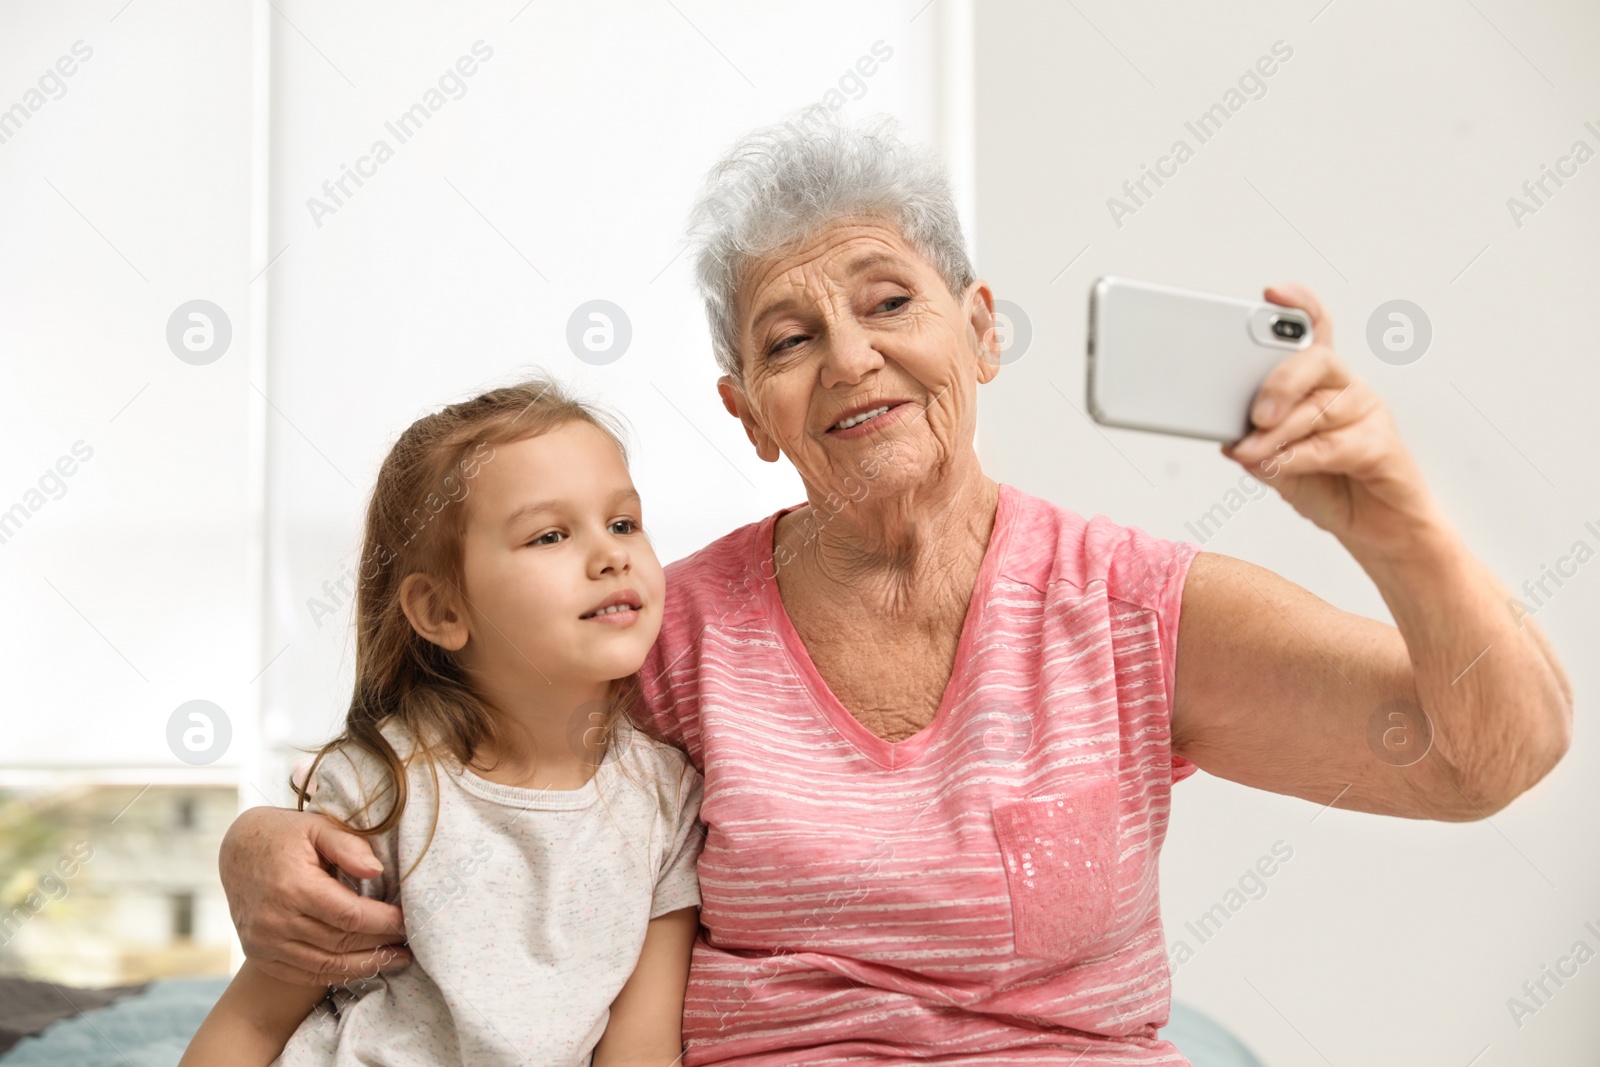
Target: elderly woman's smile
(859,418)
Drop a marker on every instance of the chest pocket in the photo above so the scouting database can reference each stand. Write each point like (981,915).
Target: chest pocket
(1061,852)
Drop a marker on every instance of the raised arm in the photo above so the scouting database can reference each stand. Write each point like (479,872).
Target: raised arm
(1450,714)
(295,920)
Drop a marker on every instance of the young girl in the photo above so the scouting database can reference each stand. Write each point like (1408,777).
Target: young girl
(541,849)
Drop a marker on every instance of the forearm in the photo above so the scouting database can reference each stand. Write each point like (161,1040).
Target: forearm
(645,1029)
(659,1055)
(1492,687)
(634,1041)
(251,1022)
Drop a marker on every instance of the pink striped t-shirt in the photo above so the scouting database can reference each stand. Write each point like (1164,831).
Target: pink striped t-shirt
(982,892)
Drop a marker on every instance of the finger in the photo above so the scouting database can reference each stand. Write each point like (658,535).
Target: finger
(330,968)
(330,901)
(349,852)
(1323,410)
(304,963)
(1288,383)
(1295,295)
(304,928)
(1346,450)
(347,965)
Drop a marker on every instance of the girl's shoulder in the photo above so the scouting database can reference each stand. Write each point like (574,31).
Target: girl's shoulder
(354,756)
(352,778)
(643,751)
(648,759)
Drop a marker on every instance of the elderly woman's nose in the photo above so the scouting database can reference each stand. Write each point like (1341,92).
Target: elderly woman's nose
(848,355)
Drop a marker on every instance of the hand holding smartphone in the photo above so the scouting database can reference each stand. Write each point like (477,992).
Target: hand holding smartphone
(1183,362)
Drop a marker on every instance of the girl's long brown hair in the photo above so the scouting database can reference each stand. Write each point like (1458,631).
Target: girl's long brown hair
(415,523)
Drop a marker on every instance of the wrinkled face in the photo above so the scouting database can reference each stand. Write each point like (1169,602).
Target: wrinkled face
(554,532)
(859,364)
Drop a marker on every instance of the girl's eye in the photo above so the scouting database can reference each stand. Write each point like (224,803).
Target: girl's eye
(628,526)
(549,537)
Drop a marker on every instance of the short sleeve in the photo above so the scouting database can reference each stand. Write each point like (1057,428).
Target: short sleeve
(677,883)
(1151,571)
(351,786)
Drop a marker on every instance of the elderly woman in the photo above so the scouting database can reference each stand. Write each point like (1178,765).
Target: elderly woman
(939,718)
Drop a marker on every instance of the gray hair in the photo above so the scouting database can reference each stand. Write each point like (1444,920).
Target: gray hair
(786,182)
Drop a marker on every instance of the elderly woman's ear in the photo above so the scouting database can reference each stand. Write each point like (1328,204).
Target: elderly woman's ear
(985,334)
(738,406)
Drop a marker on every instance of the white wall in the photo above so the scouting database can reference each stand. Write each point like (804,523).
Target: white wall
(127,586)
(176,563)
(1376,166)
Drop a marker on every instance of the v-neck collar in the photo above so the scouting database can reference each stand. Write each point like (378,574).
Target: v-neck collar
(888,754)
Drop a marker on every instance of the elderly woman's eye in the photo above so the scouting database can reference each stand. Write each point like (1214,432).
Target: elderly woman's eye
(897,301)
(785,344)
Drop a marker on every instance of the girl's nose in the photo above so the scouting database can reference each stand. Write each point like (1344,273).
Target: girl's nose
(611,556)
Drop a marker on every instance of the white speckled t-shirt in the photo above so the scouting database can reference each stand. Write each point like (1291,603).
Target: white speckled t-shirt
(525,914)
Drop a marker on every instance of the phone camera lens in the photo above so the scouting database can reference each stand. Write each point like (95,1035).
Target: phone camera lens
(1288,328)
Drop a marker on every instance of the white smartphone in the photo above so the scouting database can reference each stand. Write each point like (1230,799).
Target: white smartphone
(1178,361)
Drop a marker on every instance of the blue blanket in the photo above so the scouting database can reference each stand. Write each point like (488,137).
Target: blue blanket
(152,1029)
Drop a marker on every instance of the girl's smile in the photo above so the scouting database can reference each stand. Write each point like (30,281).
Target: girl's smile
(619,609)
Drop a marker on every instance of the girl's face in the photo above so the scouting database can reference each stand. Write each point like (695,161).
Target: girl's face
(554,535)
